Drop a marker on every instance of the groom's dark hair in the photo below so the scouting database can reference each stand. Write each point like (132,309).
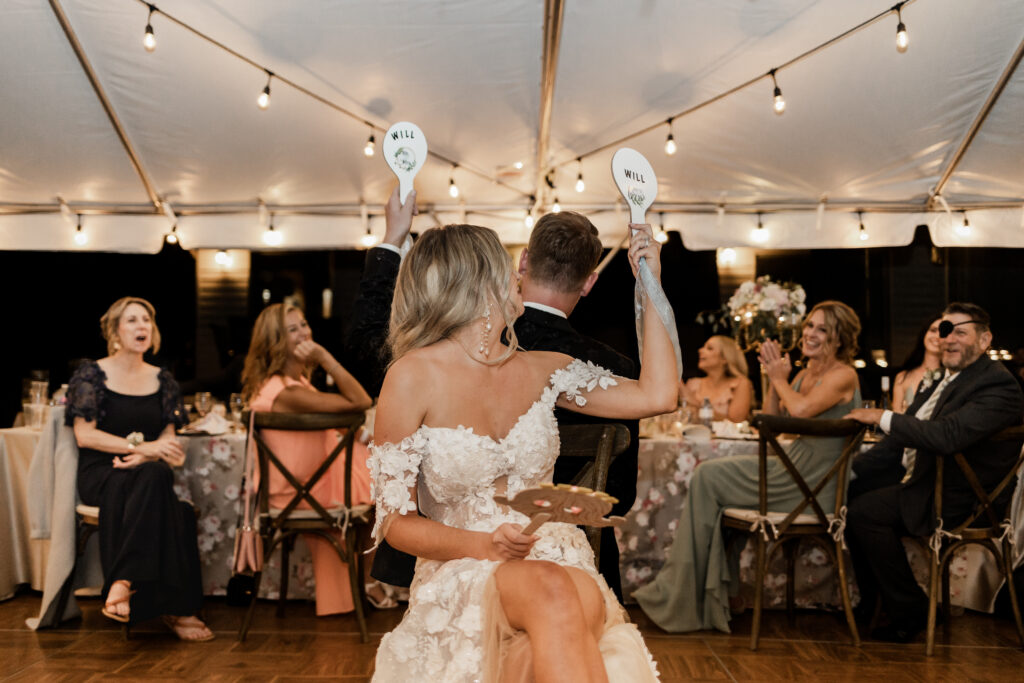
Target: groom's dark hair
(564,250)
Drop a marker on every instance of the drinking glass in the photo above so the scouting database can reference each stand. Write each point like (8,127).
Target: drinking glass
(204,401)
(236,406)
(872,430)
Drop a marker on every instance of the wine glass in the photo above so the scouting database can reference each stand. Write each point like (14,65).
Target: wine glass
(236,406)
(204,401)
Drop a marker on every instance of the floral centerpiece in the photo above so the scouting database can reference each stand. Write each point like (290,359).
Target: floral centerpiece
(762,309)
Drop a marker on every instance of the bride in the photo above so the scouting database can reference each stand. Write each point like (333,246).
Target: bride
(463,417)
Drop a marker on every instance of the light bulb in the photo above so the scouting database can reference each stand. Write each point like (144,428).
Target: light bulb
(863,234)
(556,207)
(453,189)
(271,237)
(149,40)
(171,238)
(779,103)
(727,257)
(80,237)
(964,229)
(518,165)
(759,234)
(528,221)
(223,259)
(369,149)
(368,240)
(902,39)
(661,236)
(580,186)
(263,101)
(670,145)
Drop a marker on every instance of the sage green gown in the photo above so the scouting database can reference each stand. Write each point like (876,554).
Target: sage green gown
(691,592)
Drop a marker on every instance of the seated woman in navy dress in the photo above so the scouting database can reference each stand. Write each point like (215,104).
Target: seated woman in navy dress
(124,412)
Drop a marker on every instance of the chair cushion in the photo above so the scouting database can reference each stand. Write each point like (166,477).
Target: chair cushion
(358,512)
(745,515)
(90,514)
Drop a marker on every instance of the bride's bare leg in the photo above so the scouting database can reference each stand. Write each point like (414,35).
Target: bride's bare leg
(562,612)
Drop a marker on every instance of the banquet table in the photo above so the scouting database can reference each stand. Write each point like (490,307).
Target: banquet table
(666,466)
(22,559)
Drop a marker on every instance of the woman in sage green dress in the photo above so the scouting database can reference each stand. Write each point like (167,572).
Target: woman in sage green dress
(691,592)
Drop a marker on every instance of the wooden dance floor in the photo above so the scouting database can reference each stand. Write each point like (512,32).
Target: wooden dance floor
(301,647)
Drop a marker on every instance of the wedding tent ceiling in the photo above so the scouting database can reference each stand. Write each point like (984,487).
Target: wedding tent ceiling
(517,99)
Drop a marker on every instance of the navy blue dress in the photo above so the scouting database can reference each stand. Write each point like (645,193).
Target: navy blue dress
(147,536)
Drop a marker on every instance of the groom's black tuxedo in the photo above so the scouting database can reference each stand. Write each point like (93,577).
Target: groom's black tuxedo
(538,330)
(981,401)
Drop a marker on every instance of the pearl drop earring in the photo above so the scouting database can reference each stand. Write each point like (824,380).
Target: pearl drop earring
(485,336)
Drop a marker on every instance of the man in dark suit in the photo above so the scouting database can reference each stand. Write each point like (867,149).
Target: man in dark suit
(557,268)
(976,398)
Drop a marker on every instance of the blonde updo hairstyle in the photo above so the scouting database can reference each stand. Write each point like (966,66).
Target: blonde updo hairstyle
(446,282)
(735,363)
(268,349)
(111,320)
(843,326)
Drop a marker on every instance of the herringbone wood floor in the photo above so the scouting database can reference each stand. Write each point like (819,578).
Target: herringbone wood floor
(303,647)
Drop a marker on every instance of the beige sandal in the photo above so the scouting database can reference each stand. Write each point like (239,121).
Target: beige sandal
(182,630)
(110,613)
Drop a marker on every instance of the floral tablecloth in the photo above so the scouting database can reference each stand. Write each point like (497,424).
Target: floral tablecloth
(211,480)
(665,468)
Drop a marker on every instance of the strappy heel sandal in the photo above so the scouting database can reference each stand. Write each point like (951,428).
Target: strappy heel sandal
(180,629)
(387,602)
(109,613)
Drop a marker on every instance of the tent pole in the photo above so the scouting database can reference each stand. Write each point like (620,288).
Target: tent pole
(978,122)
(553,13)
(105,101)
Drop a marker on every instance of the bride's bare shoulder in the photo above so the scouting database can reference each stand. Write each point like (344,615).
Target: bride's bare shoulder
(546,362)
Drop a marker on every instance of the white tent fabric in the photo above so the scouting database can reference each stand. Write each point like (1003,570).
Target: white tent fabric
(865,127)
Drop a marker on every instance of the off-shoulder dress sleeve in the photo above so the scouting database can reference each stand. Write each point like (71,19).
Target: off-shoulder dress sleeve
(578,377)
(85,393)
(394,469)
(173,410)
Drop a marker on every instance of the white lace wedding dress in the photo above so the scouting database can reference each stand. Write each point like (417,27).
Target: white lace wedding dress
(455,629)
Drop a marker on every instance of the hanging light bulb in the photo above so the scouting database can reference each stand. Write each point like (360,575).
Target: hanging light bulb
(453,189)
(964,229)
(223,259)
(778,103)
(670,142)
(369,239)
(759,234)
(370,146)
(862,233)
(263,101)
(580,186)
(272,237)
(80,237)
(148,39)
(902,39)
(661,236)
(556,207)
(528,220)
(172,236)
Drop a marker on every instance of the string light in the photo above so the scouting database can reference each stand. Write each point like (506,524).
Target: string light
(902,39)
(580,186)
(223,259)
(80,237)
(172,236)
(148,39)
(964,229)
(661,236)
(862,233)
(760,233)
(263,101)
(453,189)
(272,237)
(370,147)
(556,207)
(778,103)
(528,220)
(670,142)
(369,239)
(726,257)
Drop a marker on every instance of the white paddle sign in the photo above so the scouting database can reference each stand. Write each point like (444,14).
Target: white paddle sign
(636,181)
(405,150)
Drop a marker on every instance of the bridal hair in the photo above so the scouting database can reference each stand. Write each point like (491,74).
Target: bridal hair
(111,320)
(268,350)
(446,282)
(735,363)
(843,326)
(564,250)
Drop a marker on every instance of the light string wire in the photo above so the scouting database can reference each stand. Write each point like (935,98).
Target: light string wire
(319,98)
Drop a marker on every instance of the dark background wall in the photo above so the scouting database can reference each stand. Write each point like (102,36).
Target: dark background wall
(56,300)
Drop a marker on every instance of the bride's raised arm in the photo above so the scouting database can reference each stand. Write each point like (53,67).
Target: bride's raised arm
(656,391)
(394,463)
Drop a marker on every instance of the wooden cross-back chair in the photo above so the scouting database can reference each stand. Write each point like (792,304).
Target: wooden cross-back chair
(945,542)
(600,444)
(808,519)
(283,525)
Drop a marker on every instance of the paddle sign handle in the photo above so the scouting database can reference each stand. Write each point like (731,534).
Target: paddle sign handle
(405,151)
(636,181)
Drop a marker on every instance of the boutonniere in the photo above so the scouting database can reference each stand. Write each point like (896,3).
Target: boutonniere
(135,438)
(930,378)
